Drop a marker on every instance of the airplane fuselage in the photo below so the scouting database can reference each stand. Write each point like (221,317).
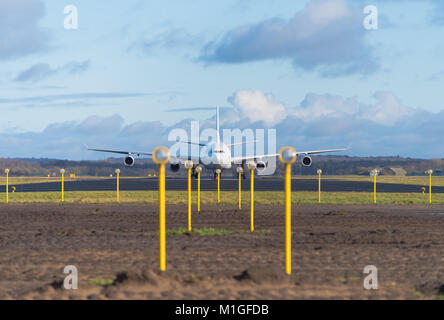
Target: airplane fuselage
(216,156)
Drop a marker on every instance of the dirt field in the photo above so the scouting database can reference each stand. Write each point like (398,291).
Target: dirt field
(118,244)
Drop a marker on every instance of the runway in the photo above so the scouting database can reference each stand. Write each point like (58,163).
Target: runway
(261,184)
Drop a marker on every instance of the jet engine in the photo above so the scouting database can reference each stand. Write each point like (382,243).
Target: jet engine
(306,161)
(129,161)
(175,167)
(261,166)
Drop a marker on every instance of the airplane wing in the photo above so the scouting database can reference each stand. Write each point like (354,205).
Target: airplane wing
(240,159)
(123,152)
(173,159)
(190,142)
(320,151)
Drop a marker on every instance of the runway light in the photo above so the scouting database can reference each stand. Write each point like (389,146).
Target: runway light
(239,171)
(62,171)
(218,172)
(287,155)
(189,166)
(117,177)
(319,184)
(161,156)
(7,185)
(198,170)
(252,166)
(430,172)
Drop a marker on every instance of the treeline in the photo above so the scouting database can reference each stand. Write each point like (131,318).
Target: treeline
(51,167)
(343,165)
(331,165)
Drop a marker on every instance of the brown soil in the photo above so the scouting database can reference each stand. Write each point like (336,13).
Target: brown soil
(331,246)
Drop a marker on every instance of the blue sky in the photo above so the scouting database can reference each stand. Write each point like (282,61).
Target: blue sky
(307,68)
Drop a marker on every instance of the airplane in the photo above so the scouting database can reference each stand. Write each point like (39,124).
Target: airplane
(218,156)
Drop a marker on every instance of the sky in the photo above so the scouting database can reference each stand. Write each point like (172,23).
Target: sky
(132,71)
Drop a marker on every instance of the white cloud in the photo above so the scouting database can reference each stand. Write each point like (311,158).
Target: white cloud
(318,106)
(387,111)
(257,106)
(327,35)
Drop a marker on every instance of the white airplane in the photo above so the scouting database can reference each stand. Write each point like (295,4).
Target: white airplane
(218,155)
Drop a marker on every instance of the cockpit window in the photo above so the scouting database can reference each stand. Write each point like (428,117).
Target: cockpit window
(210,152)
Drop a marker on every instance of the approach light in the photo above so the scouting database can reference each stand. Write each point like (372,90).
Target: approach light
(287,155)
(218,171)
(117,171)
(62,171)
(6,170)
(199,168)
(429,171)
(161,155)
(319,171)
(188,164)
(239,170)
(251,165)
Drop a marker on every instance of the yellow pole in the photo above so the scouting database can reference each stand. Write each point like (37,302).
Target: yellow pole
(319,193)
(63,187)
(374,188)
(189,199)
(252,200)
(198,192)
(162,216)
(430,188)
(288,155)
(218,188)
(288,218)
(7,187)
(240,191)
(161,156)
(117,195)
